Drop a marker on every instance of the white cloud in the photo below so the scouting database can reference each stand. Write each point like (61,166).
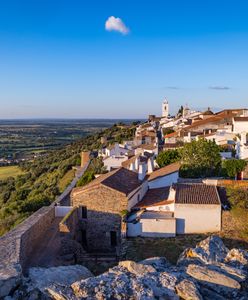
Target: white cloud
(116,24)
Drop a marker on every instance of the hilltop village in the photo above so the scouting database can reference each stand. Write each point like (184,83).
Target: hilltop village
(137,195)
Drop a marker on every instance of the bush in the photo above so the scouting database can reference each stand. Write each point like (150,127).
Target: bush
(200,159)
(231,167)
(86,178)
(167,157)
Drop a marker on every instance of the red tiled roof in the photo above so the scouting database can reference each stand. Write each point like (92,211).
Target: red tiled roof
(241,119)
(171,134)
(196,194)
(147,146)
(121,180)
(155,197)
(172,168)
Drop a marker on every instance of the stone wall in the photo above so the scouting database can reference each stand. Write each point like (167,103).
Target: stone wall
(104,206)
(69,223)
(17,245)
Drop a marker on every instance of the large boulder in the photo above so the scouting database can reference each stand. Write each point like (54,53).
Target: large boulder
(187,289)
(215,280)
(237,257)
(10,278)
(136,268)
(159,263)
(42,278)
(210,250)
(121,283)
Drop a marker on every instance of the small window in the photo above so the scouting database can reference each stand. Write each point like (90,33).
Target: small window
(138,197)
(84,212)
(113,238)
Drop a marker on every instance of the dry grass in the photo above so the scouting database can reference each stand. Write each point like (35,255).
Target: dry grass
(9,171)
(66,180)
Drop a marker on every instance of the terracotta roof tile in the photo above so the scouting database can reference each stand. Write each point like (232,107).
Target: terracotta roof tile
(121,180)
(172,168)
(241,119)
(196,194)
(155,197)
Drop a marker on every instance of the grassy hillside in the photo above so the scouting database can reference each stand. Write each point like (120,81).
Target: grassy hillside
(46,177)
(9,171)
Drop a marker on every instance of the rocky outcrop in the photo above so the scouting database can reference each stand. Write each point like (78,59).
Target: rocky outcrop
(10,277)
(208,271)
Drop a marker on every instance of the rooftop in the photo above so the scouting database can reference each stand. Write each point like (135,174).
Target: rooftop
(121,180)
(196,194)
(162,215)
(241,119)
(172,168)
(155,197)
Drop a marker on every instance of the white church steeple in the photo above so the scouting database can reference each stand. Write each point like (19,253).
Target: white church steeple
(165,108)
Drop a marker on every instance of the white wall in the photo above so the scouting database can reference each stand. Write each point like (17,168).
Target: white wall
(152,228)
(62,211)
(163,181)
(192,218)
(137,195)
(239,127)
(114,161)
(167,207)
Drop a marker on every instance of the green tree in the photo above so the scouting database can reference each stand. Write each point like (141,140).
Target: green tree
(86,178)
(180,111)
(167,157)
(231,167)
(200,159)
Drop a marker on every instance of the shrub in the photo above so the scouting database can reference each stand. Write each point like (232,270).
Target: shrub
(231,167)
(167,157)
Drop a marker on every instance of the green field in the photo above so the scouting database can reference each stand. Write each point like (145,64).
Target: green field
(10,171)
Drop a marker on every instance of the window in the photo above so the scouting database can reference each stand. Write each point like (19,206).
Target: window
(113,238)
(84,212)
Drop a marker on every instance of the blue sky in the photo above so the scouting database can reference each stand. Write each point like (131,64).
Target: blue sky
(58,60)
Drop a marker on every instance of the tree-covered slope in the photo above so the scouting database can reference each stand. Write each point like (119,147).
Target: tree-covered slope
(43,178)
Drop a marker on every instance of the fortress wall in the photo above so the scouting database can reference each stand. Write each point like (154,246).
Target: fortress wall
(35,227)
(16,245)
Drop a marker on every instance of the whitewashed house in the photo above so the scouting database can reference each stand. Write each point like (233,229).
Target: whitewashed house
(180,209)
(240,124)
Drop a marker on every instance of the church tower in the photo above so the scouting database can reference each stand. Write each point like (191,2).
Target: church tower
(165,108)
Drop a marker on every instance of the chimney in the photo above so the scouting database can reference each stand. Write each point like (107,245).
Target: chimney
(243,138)
(189,136)
(117,149)
(85,158)
(172,193)
(142,172)
(132,167)
(150,165)
(137,163)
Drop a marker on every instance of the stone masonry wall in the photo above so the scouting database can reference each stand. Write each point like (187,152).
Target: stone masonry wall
(35,229)
(70,222)
(104,206)
(16,246)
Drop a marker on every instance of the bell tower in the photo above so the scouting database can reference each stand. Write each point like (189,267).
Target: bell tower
(165,108)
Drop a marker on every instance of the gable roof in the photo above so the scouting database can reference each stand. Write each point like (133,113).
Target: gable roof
(241,119)
(121,180)
(196,194)
(172,168)
(155,197)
